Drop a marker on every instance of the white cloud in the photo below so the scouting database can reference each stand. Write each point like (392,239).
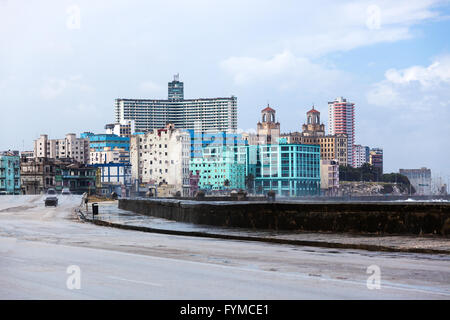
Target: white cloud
(247,69)
(349,25)
(54,87)
(342,27)
(416,88)
(373,20)
(435,74)
(409,111)
(345,39)
(283,69)
(382,94)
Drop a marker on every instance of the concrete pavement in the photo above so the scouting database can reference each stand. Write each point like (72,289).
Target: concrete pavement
(38,244)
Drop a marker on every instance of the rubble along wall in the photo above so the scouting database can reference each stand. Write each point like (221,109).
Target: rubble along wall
(371,217)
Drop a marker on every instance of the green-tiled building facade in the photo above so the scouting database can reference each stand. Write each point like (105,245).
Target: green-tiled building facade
(288,169)
(220,167)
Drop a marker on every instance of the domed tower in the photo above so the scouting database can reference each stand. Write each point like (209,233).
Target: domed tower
(268,130)
(313,127)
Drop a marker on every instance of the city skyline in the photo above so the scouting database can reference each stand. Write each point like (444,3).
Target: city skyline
(54,70)
(199,151)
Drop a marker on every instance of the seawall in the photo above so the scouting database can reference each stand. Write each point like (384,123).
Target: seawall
(356,217)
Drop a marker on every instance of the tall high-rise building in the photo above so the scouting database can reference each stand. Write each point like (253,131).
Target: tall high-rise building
(176,89)
(203,114)
(341,120)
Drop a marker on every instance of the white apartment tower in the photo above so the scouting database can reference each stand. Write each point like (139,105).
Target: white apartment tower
(341,120)
(204,114)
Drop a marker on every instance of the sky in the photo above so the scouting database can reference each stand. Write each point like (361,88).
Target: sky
(62,64)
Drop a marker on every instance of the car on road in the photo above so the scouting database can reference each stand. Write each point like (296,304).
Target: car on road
(66,191)
(51,199)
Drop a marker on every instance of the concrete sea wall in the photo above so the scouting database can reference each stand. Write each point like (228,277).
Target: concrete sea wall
(357,217)
(369,198)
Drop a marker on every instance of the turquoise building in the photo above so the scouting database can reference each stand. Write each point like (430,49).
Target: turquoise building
(98,142)
(288,169)
(219,160)
(9,172)
(201,140)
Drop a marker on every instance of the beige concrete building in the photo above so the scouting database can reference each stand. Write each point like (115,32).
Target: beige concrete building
(332,147)
(329,177)
(27,154)
(70,147)
(268,130)
(161,156)
(313,127)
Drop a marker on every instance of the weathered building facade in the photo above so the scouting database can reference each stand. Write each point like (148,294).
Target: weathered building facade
(329,177)
(161,156)
(70,147)
(9,172)
(37,175)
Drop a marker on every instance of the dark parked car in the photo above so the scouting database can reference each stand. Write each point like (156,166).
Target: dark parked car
(51,199)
